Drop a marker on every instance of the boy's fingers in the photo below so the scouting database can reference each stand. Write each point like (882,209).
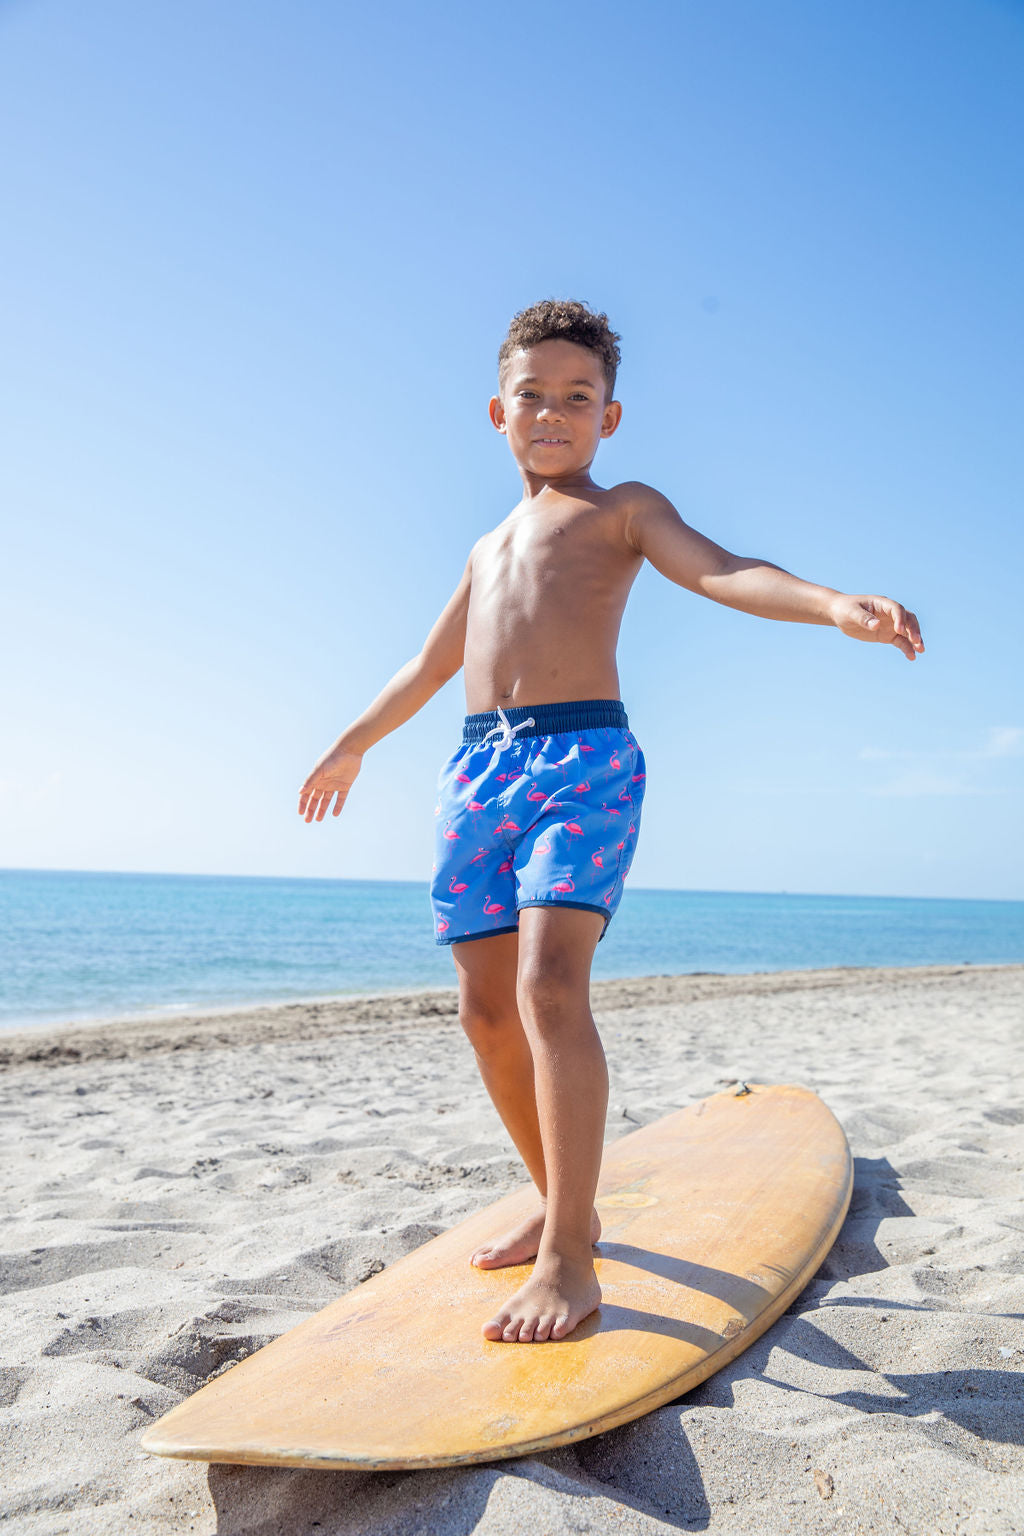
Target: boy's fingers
(899,617)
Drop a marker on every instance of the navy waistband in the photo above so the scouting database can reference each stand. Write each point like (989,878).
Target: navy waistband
(550,719)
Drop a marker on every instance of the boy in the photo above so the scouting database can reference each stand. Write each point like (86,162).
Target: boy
(539,807)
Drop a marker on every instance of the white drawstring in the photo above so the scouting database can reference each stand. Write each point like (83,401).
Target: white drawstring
(505,731)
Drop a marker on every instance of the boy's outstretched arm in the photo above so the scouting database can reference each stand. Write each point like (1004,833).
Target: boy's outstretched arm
(685,556)
(410,688)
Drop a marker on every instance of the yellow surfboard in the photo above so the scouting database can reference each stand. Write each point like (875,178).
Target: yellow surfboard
(714,1219)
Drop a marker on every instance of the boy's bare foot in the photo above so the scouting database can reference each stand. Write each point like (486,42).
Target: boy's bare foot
(560,1293)
(520,1243)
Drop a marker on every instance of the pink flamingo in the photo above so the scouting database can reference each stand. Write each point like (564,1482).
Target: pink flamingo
(457,886)
(443,925)
(574,827)
(533,793)
(638,776)
(613,761)
(507,825)
(607,897)
(453,837)
(437,809)
(492,906)
(463,778)
(503,869)
(583,746)
(581,789)
(595,858)
(483,854)
(565,885)
(624,793)
(542,846)
(474,807)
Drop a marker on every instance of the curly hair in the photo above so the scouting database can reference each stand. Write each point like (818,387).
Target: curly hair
(564,320)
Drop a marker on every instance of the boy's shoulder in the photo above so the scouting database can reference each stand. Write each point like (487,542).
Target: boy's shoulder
(636,493)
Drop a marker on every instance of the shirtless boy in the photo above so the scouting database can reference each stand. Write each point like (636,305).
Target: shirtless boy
(539,806)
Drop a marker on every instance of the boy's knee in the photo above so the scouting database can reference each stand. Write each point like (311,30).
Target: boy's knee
(551,984)
(488,1021)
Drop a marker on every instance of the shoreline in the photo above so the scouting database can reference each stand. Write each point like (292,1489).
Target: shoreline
(138,1035)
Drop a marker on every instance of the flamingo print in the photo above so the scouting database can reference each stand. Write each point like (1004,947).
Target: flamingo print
(574,827)
(613,761)
(443,925)
(453,837)
(506,824)
(491,907)
(565,886)
(595,858)
(581,789)
(543,845)
(457,886)
(533,793)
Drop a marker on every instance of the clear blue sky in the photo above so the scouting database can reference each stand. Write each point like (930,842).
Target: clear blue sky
(257,262)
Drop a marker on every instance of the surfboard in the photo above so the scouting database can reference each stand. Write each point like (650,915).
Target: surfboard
(714,1219)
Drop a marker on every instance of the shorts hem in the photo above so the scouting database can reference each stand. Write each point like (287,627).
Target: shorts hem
(463,938)
(556,901)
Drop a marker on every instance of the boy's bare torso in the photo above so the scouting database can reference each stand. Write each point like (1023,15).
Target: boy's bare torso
(549,586)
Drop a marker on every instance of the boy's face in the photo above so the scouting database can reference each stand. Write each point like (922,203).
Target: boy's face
(553,409)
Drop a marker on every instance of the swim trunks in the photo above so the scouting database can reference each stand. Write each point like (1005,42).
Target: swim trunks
(538,807)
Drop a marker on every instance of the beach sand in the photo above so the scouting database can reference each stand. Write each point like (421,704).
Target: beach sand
(176,1194)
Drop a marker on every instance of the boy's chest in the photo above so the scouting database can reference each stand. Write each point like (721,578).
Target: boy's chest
(565,543)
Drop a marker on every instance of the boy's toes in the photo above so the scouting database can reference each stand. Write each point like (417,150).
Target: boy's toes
(495,1329)
(560,1327)
(528,1330)
(511,1331)
(544,1327)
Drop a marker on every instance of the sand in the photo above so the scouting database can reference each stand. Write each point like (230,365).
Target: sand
(175,1195)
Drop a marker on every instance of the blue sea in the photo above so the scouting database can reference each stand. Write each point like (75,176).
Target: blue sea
(77,947)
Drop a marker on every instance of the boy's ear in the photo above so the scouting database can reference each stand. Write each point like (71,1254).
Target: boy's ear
(611,418)
(496,411)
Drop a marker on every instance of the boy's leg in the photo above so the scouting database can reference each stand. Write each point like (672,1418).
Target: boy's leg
(556,949)
(488,971)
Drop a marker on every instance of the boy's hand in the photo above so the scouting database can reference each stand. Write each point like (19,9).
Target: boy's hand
(878,618)
(333,775)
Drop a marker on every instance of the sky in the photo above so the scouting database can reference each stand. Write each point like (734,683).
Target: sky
(257,263)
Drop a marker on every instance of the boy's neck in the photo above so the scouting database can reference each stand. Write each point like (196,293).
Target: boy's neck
(577,482)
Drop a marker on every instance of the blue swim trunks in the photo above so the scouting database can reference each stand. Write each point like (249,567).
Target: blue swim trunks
(538,807)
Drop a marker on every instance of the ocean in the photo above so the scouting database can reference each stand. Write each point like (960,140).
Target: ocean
(76,947)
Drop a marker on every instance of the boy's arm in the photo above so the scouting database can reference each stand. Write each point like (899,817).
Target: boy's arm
(410,688)
(685,556)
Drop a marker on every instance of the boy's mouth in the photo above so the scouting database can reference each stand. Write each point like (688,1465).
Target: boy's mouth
(551,442)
